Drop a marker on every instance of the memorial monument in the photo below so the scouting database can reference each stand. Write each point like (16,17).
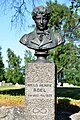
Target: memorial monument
(40,75)
(42,38)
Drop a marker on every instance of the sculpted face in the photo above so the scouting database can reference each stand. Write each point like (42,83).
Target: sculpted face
(41,22)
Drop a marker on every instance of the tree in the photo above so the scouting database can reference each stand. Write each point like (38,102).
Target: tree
(64,21)
(28,57)
(75,4)
(2,71)
(65,56)
(14,72)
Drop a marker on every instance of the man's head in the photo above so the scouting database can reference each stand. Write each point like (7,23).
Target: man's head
(41,16)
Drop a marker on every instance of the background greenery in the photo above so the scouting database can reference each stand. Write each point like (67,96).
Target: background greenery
(66,21)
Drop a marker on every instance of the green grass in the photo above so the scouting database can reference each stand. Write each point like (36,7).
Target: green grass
(8,87)
(66,100)
(69,92)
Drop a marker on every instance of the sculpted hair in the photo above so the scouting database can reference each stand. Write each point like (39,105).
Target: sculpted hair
(45,11)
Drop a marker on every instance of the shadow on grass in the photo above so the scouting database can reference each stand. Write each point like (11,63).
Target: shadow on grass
(64,105)
(70,92)
(20,91)
(64,109)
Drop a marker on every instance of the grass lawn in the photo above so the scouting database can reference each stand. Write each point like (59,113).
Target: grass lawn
(7,100)
(8,87)
(70,92)
(68,99)
(11,100)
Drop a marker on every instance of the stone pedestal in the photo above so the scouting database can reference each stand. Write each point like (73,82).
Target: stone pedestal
(40,91)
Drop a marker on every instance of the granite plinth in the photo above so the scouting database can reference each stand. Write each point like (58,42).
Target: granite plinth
(40,91)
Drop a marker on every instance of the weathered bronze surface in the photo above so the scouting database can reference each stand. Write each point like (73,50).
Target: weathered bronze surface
(42,38)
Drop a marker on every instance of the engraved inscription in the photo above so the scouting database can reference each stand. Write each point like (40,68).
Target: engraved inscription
(40,90)
(40,111)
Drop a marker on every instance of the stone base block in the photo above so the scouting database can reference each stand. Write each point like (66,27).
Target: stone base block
(40,91)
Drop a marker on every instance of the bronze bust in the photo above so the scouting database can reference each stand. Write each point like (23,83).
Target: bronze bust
(42,38)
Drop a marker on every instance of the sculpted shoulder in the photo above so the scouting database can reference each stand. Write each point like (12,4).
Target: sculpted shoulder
(26,37)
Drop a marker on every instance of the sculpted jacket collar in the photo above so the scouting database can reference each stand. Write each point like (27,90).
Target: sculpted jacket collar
(46,39)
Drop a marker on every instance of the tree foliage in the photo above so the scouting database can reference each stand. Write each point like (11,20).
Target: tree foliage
(64,21)
(75,5)
(28,57)
(65,56)
(2,71)
(14,72)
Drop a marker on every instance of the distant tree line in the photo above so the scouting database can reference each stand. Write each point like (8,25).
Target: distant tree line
(66,21)
(14,72)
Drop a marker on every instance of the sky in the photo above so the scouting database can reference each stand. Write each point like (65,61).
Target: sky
(9,38)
